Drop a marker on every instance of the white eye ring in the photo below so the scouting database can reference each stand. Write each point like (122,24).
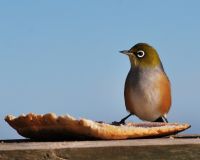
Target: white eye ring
(140,53)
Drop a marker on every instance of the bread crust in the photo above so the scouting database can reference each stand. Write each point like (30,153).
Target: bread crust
(51,126)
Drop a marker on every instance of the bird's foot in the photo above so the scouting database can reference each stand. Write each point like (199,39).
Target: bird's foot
(122,122)
(116,123)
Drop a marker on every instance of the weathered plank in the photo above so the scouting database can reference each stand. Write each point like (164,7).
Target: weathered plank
(142,149)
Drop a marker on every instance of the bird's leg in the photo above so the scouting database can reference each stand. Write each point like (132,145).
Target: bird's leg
(165,119)
(122,121)
(161,119)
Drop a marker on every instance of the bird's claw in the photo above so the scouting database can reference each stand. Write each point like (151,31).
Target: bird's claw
(115,123)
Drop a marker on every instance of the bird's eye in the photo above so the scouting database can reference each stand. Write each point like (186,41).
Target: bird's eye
(140,54)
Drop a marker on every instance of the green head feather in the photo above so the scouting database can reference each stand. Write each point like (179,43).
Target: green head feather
(143,55)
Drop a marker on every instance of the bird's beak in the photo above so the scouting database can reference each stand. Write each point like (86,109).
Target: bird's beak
(127,52)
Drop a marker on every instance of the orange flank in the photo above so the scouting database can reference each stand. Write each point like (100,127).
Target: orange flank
(165,94)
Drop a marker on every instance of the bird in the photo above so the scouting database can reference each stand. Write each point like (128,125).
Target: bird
(147,90)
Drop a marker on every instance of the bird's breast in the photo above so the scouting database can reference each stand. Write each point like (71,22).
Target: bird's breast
(143,93)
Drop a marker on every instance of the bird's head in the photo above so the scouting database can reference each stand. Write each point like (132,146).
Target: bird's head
(143,55)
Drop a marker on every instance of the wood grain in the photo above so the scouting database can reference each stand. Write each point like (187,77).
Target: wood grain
(181,148)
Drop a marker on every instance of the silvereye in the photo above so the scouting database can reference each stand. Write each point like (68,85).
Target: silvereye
(147,90)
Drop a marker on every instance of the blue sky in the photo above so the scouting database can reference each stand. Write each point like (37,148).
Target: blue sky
(62,56)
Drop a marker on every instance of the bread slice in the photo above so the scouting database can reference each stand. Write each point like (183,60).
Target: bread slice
(50,126)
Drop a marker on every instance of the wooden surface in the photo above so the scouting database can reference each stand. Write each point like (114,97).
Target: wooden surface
(179,148)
